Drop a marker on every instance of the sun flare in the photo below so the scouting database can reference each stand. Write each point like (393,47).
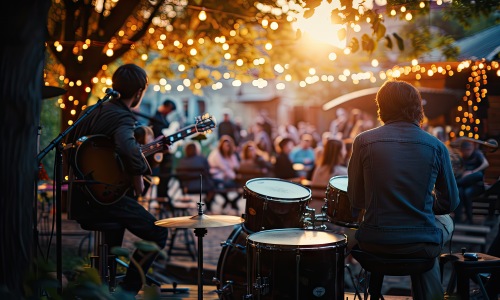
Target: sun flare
(319,26)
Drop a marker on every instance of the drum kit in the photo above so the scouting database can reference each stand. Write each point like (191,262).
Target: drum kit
(278,250)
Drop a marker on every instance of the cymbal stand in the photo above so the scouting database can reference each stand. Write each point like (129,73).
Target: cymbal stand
(200,232)
(57,144)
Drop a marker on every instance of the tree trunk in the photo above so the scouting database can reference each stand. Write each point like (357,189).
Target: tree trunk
(23,33)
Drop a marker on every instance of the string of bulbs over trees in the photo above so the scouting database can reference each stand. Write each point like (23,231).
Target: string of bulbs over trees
(210,44)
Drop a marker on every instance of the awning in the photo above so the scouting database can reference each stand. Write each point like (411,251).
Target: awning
(436,101)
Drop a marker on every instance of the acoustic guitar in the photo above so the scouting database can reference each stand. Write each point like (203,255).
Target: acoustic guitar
(103,172)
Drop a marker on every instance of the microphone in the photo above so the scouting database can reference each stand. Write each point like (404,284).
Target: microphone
(112,93)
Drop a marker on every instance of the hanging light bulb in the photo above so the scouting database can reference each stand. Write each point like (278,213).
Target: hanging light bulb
(202,15)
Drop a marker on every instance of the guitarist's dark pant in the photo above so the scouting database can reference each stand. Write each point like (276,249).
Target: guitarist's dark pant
(136,219)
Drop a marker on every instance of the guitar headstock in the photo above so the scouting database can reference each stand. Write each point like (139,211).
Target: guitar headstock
(205,123)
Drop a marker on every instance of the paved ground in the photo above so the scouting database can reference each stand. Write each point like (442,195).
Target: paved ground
(223,254)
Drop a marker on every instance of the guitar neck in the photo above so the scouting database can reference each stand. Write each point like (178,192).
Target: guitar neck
(165,141)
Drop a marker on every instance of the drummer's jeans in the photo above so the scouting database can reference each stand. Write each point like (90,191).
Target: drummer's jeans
(430,280)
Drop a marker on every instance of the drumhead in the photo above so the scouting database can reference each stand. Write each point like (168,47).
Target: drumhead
(339,182)
(278,188)
(296,237)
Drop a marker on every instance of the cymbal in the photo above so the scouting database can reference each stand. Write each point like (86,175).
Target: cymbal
(52,91)
(200,221)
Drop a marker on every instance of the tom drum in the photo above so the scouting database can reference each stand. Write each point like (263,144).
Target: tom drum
(273,203)
(339,209)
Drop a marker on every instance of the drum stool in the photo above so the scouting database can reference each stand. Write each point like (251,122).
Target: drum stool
(379,266)
(104,262)
(101,259)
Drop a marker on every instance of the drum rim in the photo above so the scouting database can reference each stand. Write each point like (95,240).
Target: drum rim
(251,242)
(283,248)
(282,199)
(331,186)
(337,177)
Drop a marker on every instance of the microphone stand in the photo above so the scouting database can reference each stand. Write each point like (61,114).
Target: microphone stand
(56,143)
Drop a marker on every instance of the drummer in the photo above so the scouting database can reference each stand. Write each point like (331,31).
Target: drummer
(402,176)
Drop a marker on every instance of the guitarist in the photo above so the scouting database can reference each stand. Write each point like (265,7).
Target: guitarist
(115,119)
(159,122)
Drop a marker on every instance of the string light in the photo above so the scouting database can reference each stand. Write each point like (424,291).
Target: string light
(476,93)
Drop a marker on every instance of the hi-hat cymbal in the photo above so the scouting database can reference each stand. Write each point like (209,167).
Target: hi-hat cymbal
(200,221)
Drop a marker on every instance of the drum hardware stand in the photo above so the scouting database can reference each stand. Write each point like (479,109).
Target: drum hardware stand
(261,285)
(200,224)
(311,219)
(227,289)
(58,145)
(356,290)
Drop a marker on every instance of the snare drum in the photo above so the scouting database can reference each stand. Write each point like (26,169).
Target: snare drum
(295,264)
(273,203)
(339,209)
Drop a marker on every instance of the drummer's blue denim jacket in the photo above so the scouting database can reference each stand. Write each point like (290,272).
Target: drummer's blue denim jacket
(402,176)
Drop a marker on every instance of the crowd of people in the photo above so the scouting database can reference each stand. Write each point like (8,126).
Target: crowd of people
(384,161)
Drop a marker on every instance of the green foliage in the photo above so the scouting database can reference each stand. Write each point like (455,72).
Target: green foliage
(50,127)
(449,51)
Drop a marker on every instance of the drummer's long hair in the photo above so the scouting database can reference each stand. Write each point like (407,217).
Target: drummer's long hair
(399,101)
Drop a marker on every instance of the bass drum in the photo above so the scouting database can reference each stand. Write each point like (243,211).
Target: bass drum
(295,264)
(231,267)
(273,203)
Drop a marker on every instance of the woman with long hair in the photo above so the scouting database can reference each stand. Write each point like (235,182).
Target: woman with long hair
(224,163)
(331,163)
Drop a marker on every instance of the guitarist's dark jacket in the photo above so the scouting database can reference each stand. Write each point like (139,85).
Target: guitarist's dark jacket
(116,121)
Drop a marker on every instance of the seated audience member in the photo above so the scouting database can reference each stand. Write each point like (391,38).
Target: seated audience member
(470,180)
(224,162)
(320,147)
(193,159)
(303,154)
(283,166)
(333,157)
(251,161)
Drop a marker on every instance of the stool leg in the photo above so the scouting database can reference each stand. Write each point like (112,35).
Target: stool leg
(375,285)
(481,287)
(103,263)
(112,272)
(462,285)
